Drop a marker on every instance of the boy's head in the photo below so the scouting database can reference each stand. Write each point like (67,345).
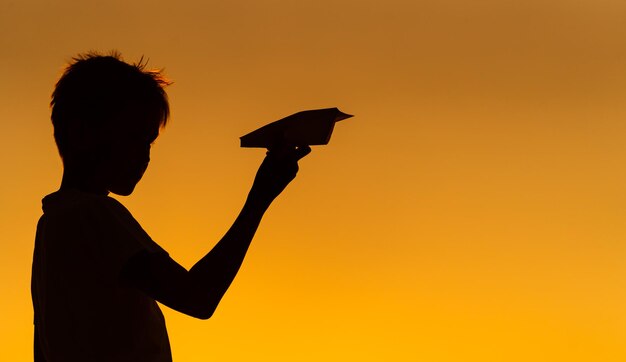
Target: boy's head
(105,114)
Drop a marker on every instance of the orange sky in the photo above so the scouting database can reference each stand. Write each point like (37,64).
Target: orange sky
(473,210)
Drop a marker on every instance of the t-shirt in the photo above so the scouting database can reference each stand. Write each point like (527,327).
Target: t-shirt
(83,310)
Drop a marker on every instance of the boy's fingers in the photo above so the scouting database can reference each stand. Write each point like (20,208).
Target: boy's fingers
(302,151)
(289,152)
(280,149)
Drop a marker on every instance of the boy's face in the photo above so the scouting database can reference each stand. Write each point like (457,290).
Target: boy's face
(129,154)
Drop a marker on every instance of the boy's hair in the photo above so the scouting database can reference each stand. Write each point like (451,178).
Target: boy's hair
(96,88)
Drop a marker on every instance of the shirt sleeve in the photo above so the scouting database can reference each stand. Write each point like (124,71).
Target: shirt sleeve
(119,237)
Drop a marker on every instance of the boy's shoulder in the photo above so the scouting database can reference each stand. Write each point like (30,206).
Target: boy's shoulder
(76,216)
(71,201)
(72,207)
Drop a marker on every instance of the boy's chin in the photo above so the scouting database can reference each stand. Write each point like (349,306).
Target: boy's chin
(125,190)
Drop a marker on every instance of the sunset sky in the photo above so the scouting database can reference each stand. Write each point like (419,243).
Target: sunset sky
(473,209)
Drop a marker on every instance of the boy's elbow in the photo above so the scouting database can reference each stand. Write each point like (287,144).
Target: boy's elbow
(202,304)
(204,310)
(204,314)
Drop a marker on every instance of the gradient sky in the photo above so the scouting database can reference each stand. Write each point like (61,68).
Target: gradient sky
(472,210)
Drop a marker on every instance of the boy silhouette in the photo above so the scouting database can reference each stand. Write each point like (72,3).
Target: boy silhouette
(96,273)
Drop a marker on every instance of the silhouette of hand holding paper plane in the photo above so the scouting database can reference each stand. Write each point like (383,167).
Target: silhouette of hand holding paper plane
(306,128)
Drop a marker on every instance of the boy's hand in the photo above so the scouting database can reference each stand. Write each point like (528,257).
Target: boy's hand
(278,169)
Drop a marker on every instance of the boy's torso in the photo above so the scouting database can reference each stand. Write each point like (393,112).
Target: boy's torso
(83,311)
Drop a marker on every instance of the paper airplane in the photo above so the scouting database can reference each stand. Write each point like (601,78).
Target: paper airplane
(306,128)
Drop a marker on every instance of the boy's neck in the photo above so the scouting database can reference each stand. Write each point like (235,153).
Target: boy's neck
(89,182)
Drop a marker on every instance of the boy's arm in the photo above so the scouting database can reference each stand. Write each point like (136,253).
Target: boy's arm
(197,292)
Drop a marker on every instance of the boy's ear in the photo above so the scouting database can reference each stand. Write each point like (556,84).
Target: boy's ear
(87,139)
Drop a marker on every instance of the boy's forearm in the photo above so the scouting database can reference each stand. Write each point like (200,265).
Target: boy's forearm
(215,271)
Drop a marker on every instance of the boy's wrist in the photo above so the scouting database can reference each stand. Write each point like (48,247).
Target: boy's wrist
(256,202)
